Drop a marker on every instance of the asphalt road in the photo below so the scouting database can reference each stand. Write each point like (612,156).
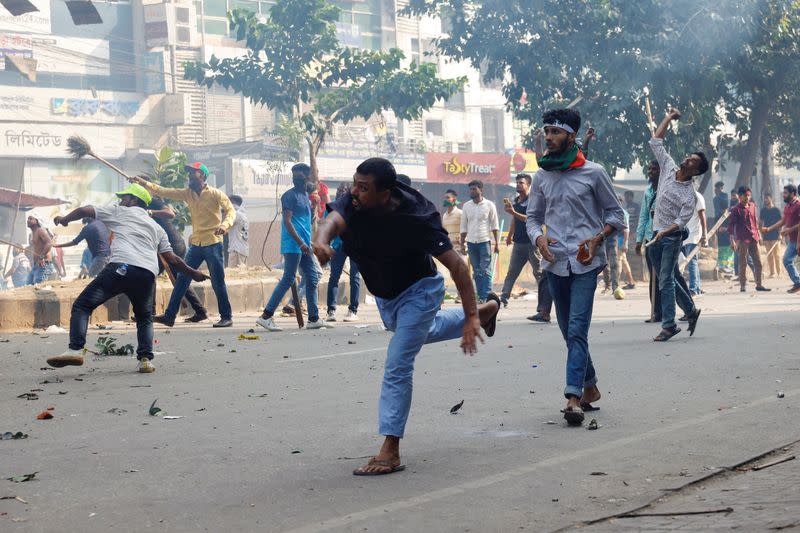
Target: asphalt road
(272,428)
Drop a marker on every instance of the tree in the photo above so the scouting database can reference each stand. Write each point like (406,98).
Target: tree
(295,65)
(600,55)
(169,170)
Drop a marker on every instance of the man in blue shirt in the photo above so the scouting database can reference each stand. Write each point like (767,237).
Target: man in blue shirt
(296,250)
(98,242)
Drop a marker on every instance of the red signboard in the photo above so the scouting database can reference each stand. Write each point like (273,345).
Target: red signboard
(445,167)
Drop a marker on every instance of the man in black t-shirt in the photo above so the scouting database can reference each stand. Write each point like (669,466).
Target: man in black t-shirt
(393,233)
(163,215)
(524,252)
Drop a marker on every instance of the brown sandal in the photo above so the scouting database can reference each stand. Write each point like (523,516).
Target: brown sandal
(375,462)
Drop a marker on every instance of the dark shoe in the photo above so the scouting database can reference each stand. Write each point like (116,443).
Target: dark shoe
(538,317)
(684,318)
(491,324)
(629,287)
(504,303)
(223,323)
(574,416)
(288,309)
(795,288)
(667,334)
(164,319)
(653,320)
(197,317)
(761,288)
(743,289)
(693,321)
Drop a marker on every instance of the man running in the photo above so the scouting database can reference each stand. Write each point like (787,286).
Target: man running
(132,271)
(575,200)
(393,232)
(212,217)
(745,237)
(675,205)
(789,225)
(43,268)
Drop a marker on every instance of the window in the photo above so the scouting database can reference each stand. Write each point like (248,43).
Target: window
(456,102)
(415,51)
(217,27)
(492,129)
(433,127)
(216,8)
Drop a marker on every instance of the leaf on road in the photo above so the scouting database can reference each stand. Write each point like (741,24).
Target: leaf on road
(456,407)
(23,478)
(155,410)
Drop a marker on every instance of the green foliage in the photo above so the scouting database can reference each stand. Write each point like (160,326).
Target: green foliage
(169,170)
(296,65)
(693,54)
(108,346)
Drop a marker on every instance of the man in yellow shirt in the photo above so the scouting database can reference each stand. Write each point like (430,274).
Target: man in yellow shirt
(212,217)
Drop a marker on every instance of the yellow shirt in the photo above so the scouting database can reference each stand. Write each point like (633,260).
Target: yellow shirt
(205,209)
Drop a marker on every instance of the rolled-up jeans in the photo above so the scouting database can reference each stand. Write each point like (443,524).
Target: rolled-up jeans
(573,295)
(291,262)
(480,256)
(212,255)
(337,265)
(788,261)
(415,318)
(137,284)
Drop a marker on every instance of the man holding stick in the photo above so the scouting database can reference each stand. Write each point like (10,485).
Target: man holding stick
(212,217)
(789,225)
(131,271)
(745,236)
(675,205)
(575,200)
(393,233)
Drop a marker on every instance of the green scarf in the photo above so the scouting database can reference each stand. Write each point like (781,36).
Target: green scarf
(559,162)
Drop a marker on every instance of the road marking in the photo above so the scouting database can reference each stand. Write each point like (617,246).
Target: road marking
(329,356)
(428,497)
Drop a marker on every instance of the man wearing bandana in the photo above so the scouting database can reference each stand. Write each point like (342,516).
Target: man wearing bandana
(212,217)
(574,199)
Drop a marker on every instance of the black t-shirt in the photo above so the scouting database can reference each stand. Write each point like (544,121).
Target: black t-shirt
(394,249)
(173,235)
(520,230)
(770,216)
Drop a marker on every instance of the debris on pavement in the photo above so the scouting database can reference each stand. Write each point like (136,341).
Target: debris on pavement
(781,394)
(456,407)
(44,415)
(598,474)
(592,425)
(243,337)
(116,411)
(294,452)
(172,417)
(108,346)
(773,463)
(22,478)
(55,329)
(29,396)
(13,498)
(154,411)
(13,436)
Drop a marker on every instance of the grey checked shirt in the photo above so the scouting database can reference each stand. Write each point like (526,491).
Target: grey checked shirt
(574,205)
(675,200)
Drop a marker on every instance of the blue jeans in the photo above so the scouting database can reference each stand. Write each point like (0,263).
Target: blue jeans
(212,255)
(415,318)
(693,268)
(337,265)
(574,299)
(138,284)
(291,262)
(665,259)
(40,274)
(788,261)
(480,256)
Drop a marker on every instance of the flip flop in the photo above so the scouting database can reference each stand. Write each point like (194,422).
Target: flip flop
(491,325)
(664,337)
(587,407)
(539,318)
(373,462)
(693,321)
(574,416)
(652,321)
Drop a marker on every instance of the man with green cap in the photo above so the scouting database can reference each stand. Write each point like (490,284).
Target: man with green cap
(132,271)
(212,217)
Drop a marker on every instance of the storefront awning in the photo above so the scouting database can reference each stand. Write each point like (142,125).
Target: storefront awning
(9,198)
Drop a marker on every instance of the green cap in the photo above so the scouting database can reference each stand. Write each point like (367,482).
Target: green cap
(134,189)
(198,166)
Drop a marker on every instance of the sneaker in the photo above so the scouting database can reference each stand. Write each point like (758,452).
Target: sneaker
(223,323)
(164,319)
(742,289)
(351,316)
(332,317)
(268,324)
(795,288)
(504,303)
(68,358)
(145,366)
(197,317)
(629,287)
(762,288)
(318,324)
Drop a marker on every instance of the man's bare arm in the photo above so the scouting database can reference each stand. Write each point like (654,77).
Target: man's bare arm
(661,130)
(181,266)
(76,214)
(460,274)
(329,228)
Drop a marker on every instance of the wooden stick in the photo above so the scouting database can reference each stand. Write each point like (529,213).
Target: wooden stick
(711,233)
(168,270)
(110,165)
(650,123)
(298,313)
(677,513)
(773,463)
(773,247)
(16,213)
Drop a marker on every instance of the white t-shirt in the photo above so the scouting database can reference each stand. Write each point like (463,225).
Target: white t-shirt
(694,227)
(237,237)
(479,220)
(137,239)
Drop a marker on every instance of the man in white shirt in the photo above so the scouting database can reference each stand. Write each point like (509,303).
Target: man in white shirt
(451,219)
(132,271)
(238,245)
(479,226)
(698,229)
